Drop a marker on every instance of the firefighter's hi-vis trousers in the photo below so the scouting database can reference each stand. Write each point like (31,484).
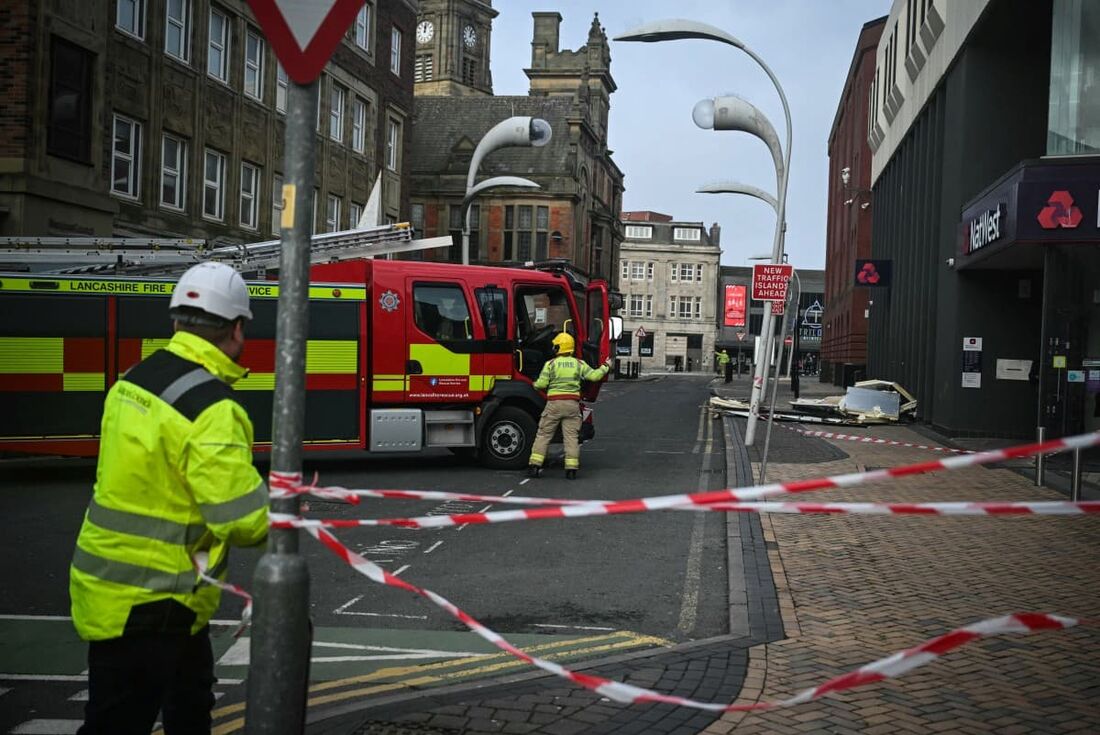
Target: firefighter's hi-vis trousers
(568,414)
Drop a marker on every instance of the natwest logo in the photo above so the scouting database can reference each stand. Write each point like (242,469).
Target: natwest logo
(1060,211)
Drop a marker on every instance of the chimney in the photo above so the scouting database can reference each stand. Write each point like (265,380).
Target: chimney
(546,39)
(715,234)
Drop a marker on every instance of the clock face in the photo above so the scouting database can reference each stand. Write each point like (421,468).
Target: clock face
(425,31)
(469,36)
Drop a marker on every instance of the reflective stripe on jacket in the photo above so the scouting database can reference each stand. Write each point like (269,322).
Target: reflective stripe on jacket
(175,476)
(561,377)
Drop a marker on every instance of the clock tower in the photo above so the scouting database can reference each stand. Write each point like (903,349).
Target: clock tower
(452,48)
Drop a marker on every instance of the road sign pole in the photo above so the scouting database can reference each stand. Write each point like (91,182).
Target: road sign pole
(279,664)
(778,369)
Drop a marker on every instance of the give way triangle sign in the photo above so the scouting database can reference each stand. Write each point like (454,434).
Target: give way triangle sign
(304,33)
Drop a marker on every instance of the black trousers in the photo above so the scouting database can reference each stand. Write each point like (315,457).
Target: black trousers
(729,372)
(132,678)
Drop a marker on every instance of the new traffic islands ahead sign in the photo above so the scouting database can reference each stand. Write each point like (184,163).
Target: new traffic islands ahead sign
(304,33)
(769,281)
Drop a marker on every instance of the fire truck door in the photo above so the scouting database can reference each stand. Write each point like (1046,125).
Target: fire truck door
(442,333)
(597,345)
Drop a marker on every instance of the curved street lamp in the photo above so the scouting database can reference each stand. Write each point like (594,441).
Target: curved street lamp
(518,131)
(678,30)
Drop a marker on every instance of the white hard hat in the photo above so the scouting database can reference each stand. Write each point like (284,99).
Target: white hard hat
(215,288)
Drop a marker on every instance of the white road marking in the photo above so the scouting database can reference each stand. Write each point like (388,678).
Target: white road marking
(433,547)
(4,690)
(699,433)
(46,617)
(48,727)
(81,696)
(340,610)
(238,653)
(398,572)
(509,492)
(662,451)
(572,627)
(45,677)
(525,481)
(385,615)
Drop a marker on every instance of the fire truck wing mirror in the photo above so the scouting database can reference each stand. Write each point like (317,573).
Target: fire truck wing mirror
(615,325)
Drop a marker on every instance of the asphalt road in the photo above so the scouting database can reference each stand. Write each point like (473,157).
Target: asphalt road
(621,582)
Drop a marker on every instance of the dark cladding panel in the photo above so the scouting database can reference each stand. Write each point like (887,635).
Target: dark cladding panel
(56,315)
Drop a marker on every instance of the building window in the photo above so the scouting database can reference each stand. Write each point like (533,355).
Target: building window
(336,113)
(130,17)
(639,232)
(689,234)
(637,305)
(276,204)
(624,270)
(332,213)
(525,230)
(126,157)
(358,125)
(217,54)
(393,145)
(422,68)
(362,27)
(177,30)
(254,65)
(456,227)
(213,195)
(649,271)
(250,190)
(687,272)
(1073,116)
(416,218)
(542,233)
(698,307)
(395,51)
(173,173)
(649,305)
(69,132)
(469,71)
(637,270)
(355,213)
(281,82)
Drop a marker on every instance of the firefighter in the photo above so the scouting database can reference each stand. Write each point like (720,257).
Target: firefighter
(561,379)
(174,483)
(725,364)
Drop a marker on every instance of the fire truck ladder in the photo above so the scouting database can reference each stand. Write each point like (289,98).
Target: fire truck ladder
(157,256)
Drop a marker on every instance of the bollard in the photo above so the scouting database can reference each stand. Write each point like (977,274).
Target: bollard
(1075,477)
(1040,460)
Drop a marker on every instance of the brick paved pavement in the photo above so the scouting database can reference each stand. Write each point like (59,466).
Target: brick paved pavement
(855,588)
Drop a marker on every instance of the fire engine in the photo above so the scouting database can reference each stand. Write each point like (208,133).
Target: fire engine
(402,355)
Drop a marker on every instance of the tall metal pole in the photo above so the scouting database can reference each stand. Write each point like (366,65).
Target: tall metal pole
(280,646)
(778,366)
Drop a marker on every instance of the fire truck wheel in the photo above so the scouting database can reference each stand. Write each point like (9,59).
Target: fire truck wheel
(508,439)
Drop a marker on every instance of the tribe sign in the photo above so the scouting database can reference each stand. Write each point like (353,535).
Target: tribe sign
(769,281)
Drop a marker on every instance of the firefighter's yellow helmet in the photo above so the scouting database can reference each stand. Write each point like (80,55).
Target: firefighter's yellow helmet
(564,344)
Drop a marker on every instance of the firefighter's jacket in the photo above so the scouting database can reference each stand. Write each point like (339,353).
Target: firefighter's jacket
(723,358)
(561,377)
(175,477)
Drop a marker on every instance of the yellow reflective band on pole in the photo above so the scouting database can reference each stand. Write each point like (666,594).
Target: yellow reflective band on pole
(332,356)
(37,355)
(436,359)
(94,382)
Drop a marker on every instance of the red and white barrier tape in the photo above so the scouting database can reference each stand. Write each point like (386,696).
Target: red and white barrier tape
(874,440)
(886,668)
(1040,508)
(201,561)
(353,495)
(680,501)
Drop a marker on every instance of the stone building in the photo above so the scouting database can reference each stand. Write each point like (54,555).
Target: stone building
(575,213)
(668,274)
(166,118)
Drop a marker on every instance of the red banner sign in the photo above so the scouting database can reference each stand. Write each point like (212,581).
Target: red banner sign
(769,281)
(736,297)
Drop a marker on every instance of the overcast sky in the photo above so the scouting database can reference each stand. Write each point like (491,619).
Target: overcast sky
(808,44)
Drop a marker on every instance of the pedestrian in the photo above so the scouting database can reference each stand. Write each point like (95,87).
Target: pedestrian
(174,483)
(794,380)
(725,363)
(561,379)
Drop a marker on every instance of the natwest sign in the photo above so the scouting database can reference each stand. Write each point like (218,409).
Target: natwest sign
(984,229)
(769,281)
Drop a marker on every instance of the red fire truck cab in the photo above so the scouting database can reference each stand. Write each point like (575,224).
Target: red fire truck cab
(402,355)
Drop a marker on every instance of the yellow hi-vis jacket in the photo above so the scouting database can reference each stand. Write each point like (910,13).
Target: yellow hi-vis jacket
(561,377)
(175,476)
(723,358)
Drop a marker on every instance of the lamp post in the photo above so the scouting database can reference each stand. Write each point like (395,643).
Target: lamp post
(472,194)
(675,30)
(521,131)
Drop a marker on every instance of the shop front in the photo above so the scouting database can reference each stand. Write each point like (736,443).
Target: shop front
(1036,233)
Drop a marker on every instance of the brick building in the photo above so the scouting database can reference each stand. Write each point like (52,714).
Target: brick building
(166,118)
(575,214)
(848,232)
